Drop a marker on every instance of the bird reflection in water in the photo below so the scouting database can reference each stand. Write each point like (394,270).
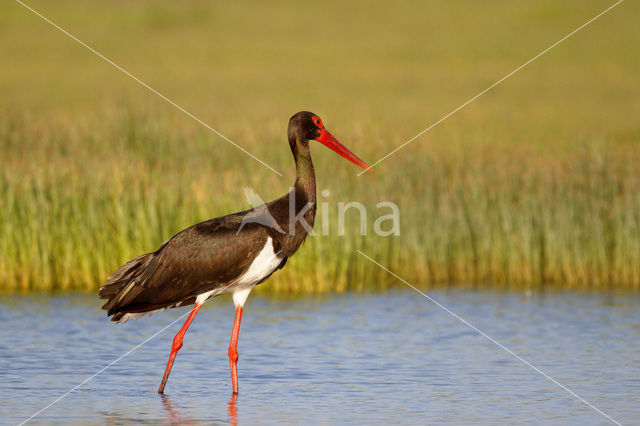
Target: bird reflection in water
(174,417)
(232,409)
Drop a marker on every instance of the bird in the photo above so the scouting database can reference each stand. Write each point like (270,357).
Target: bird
(227,255)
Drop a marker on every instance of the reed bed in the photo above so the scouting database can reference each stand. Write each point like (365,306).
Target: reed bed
(72,208)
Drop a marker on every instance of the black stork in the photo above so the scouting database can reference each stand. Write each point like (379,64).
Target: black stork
(229,254)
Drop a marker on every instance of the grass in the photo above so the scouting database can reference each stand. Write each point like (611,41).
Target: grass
(536,184)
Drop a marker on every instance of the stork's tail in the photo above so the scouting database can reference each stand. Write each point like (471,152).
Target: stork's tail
(121,283)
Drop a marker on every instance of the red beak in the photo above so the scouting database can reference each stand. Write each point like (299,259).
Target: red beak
(328,140)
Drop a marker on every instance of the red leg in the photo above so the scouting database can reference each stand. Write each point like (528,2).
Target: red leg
(233,349)
(177,344)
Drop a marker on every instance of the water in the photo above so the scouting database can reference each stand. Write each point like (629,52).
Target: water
(393,357)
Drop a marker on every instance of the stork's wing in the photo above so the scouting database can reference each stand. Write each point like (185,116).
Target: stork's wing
(204,257)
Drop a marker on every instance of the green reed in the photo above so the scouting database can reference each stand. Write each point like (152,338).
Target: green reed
(73,207)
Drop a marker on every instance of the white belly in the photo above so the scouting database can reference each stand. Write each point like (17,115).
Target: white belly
(262,266)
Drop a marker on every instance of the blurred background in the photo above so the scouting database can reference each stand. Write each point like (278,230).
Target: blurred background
(534,185)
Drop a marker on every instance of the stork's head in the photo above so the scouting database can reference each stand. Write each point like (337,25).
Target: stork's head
(308,126)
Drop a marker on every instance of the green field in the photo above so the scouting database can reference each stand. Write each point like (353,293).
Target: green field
(534,185)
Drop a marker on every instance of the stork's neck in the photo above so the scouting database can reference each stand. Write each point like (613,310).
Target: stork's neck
(305,174)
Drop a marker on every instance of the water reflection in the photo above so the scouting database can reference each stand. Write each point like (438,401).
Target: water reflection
(232,410)
(173,415)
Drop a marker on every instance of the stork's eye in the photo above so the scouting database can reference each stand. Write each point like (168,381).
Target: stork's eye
(318,123)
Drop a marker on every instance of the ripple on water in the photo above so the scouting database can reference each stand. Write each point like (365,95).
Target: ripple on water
(347,359)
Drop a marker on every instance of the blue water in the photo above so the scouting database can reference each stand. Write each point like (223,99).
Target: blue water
(351,358)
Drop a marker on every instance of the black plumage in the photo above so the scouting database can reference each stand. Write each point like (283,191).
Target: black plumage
(204,257)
